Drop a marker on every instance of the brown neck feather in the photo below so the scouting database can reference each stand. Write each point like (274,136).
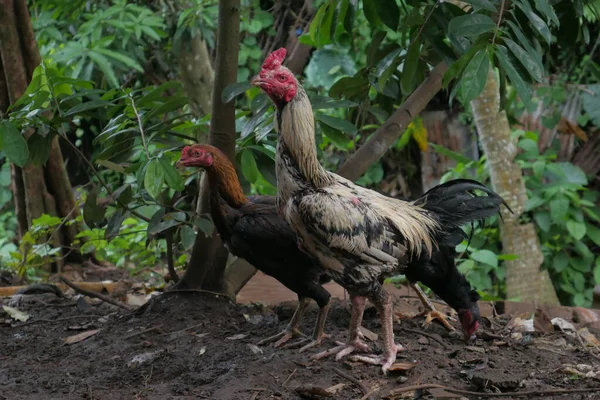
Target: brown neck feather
(224,182)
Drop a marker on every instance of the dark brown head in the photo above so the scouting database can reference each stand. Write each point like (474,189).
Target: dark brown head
(470,317)
(278,82)
(199,155)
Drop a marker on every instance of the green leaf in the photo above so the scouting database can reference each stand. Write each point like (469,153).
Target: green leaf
(338,123)
(597,271)
(205,225)
(593,233)
(449,153)
(535,20)
(475,76)
(508,257)
(114,224)
(336,137)
(485,256)
(172,177)
(535,70)
(233,90)
(167,221)
(249,167)
(407,79)
(576,229)
(458,66)
(481,5)
(154,178)
(13,143)
(546,8)
(590,100)
(470,25)
(542,219)
(559,207)
(93,214)
(111,165)
(313,29)
(560,261)
(128,61)
(89,105)
(324,36)
(529,146)
(388,12)
(524,42)
(370,10)
(39,148)
(349,87)
(517,81)
(188,237)
(534,202)
(105,66)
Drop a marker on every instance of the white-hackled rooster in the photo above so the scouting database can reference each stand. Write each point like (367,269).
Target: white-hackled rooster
(360,236)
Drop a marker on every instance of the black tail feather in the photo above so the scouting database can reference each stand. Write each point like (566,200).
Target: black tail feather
(454,204)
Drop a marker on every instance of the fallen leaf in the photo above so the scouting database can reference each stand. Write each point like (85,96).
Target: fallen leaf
(372,336)
(144,358)
(335,388)
(542,321)
(563,325)
(255,349)
(588,337)
(521,325)
(475,349)
(202,350)
(81,336)
(423,340)
(136,299)
(16,314)
(402,366)
(237,337)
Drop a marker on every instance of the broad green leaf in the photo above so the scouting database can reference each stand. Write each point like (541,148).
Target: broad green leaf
(593,233)
(168,221)
(172,178)
(597,271)
(388,12)
(233,90)
(486,257)
(449,153)
(114,224)
(458,66)
(204,224)
(520,36)
(128,61)
(470,25)
(325,30)
(386,67)
(568,173)
(338,123)
(370,10)
(313,29)
(93,214)
(559,206)
(188,237)
(111,165)
(517,81)
(535,20)
(529,146)
(579,264)
(508,257)
(13,143)
(546,8)
(39,148)
(590,100)
(331,103)
(576,229)
(481,5)
(543,220)
(407,79)
(154,178)
(336,137)
(105,66)
(534,202)
(349,87)
(560,261)
(475,76)
(535,70)
(249,167)
(89,105)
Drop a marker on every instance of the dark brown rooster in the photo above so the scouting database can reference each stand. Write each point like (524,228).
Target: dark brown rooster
(360,236)
(251,228)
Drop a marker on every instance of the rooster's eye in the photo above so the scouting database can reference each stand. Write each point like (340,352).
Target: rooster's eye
(282,78)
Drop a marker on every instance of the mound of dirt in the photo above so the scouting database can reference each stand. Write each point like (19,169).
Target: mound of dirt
(197,345)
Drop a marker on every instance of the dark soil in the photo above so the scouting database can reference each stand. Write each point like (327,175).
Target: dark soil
(196,345)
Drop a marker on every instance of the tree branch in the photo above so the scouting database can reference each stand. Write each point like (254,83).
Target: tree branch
(387,133)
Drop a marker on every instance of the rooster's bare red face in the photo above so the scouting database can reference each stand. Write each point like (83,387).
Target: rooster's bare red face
(277,81)
(196,156)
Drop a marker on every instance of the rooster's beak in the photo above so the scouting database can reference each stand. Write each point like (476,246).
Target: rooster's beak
(179,164)
(256,81)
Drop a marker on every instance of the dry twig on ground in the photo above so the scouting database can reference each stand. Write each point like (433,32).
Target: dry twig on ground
(97,295)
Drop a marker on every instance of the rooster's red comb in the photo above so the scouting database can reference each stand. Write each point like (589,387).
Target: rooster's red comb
(275,59)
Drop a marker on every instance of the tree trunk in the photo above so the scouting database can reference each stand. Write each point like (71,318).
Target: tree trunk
(207,268)
(525,279)
(197,75)
(36,190)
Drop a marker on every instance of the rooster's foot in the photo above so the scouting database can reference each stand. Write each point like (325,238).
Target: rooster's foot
(282,337)
(434,314)
(343,349)
(307,343)
(385,360)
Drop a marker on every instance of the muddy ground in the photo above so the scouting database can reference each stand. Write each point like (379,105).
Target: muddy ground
(197,345)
